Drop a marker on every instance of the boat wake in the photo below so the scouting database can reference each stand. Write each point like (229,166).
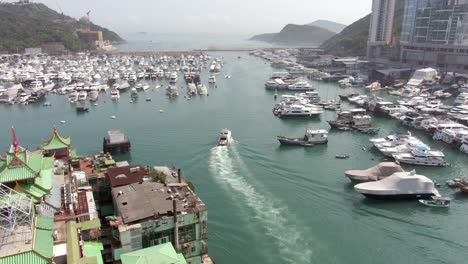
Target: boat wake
(227,166)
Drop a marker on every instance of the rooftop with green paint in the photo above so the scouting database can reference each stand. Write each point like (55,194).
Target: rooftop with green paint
(160,254)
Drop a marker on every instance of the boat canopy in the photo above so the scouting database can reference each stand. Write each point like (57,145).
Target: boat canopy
(399,183)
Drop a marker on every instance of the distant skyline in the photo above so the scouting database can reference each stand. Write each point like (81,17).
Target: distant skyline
(210,16)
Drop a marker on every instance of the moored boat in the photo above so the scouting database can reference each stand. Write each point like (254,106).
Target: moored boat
(311,136)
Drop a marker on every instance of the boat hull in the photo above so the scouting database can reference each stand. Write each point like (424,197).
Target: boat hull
(298,141)
(411,196)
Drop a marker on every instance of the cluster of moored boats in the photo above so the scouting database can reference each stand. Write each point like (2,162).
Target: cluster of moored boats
(83,77)
(389,181)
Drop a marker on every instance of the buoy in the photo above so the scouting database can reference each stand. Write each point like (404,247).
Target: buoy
(161,111)
(113,117)
(63,122)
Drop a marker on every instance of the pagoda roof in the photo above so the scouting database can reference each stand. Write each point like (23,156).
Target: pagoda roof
(20,166)
(57,142)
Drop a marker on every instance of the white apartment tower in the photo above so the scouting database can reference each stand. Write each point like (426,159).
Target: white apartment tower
(381,23)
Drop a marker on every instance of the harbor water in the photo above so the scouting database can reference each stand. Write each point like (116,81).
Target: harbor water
(267,203)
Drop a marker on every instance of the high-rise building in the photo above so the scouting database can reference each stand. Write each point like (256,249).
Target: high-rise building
(381,28)
(435,33)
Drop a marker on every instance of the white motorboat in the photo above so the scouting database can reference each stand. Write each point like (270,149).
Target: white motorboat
(134,92)
(93,95)
(115,94)
(299,111)
(399,186)
(422,156)
(202,90)
(225,137)
(173,78)
(464,146)
(172,91)
(82,96)
(212,79)
(300,86)
(441,202)
(379,172)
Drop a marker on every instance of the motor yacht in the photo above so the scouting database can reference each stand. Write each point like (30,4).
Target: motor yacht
(82,96)
(173,78)
(379,172)
(115,94)
(202,90)
(399,186)
(300,86)
(225,137)
(299,111)
(212,79)
(172,91)
(422,156)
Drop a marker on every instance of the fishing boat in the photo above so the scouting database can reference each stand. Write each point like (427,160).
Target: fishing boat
(81,109)
(224,137)
(441,202)
(310,138)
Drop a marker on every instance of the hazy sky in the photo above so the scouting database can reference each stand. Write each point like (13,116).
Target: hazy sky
(230,16)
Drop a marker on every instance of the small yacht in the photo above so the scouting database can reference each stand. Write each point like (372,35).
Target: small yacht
(202,90)
(399,186)
(311,137)
(212,79)
(23,97)
(172,91)
(436,201)
(134,92)
(225,137)
(422,156)
(299,111)
(115,94)
(93,95)
(82,96)
(73,97)
(379,172)
(464,146)
(300,86)
(173,78)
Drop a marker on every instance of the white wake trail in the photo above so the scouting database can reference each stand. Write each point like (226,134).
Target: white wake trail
(292,245)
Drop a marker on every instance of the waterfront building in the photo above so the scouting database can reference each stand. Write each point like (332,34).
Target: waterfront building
(154,213)
(435,33)
(116,142)
(381,28)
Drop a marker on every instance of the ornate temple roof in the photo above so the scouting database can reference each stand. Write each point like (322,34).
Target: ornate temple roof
(57,142)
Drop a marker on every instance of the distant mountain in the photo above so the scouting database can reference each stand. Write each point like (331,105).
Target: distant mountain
(327,24)
(267,37)
(293,34)
(352,41)
(30,25)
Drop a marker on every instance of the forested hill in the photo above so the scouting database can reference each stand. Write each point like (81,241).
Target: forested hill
(30,25)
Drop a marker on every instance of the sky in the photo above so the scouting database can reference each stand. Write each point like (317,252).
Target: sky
(210,16)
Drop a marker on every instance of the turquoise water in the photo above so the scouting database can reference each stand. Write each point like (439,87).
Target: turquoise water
(267,204)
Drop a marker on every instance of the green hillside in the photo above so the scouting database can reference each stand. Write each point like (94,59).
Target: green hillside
(30,25)
(352,41)
(19,32)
